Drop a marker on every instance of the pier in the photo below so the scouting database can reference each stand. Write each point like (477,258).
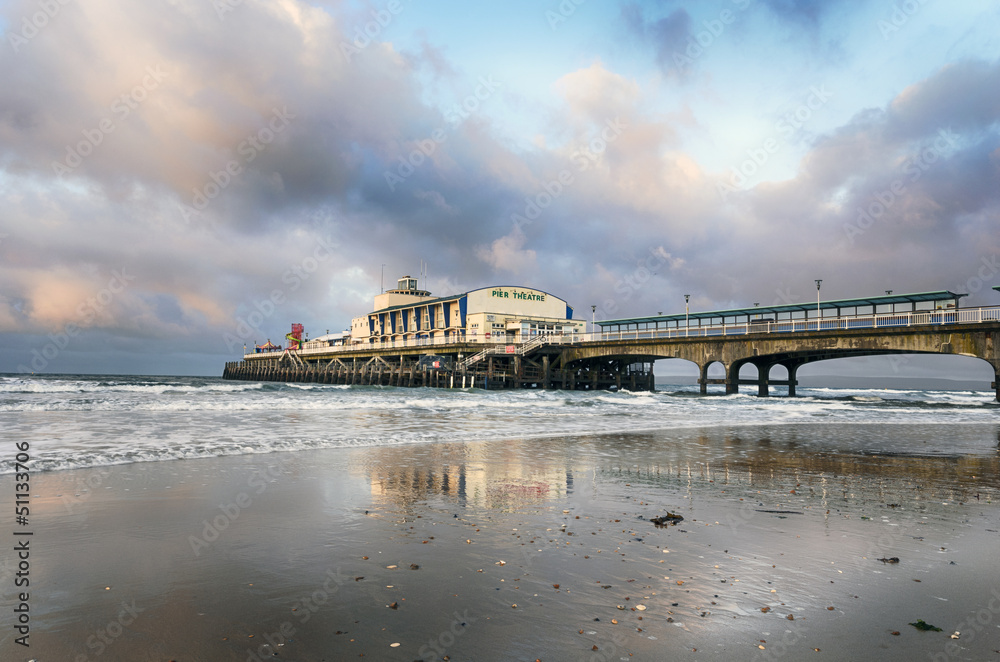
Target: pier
(622,353)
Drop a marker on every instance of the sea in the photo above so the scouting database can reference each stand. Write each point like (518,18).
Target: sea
(79,421)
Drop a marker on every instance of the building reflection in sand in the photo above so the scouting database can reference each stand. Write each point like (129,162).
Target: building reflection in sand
(513,474)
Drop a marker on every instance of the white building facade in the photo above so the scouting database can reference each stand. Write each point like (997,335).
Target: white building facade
(500,314)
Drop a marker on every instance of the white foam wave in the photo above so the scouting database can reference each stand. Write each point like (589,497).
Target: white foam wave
(80,422)
(24,386)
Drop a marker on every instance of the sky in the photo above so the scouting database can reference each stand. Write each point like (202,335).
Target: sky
(179,178)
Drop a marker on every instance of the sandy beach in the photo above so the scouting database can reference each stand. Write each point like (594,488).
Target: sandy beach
(521,550)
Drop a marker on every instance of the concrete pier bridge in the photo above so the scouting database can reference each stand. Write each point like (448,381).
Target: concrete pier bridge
(621,355)
(792,335)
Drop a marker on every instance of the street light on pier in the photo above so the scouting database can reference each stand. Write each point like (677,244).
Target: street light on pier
(687,298)
(818,282)
(888,292)
(593,315)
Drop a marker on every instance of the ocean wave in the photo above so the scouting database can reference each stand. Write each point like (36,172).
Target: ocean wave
(76,422)
(44,386)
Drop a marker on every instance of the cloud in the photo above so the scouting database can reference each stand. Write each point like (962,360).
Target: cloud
(893,191)
(287,136)
(508,254)
(668,35)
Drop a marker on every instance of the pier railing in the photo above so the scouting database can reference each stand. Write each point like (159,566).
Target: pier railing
(878,321)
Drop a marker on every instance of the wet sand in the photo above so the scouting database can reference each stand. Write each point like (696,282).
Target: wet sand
(526,549)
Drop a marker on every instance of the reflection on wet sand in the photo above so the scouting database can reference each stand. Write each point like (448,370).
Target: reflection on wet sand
(510,474)
(783,530)
(459,472)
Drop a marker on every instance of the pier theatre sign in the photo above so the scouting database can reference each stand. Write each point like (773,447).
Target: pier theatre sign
(508,293)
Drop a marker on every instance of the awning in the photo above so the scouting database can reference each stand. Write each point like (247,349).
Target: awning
(773,311)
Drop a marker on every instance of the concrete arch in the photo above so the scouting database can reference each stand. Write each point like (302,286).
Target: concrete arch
(792,350)
(994,365)
(704,380)
(678,367)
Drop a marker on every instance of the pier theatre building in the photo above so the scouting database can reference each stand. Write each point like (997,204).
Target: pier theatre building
(491,314)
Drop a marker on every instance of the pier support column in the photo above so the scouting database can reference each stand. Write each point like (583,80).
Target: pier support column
(792,368)
(763,378)
(545,372)
(732,378)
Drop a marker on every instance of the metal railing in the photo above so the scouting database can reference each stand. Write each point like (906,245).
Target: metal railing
(878,321)
(518,349)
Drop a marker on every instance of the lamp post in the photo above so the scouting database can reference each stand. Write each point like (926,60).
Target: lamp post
(687,298)
(818,282)
(593,314)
